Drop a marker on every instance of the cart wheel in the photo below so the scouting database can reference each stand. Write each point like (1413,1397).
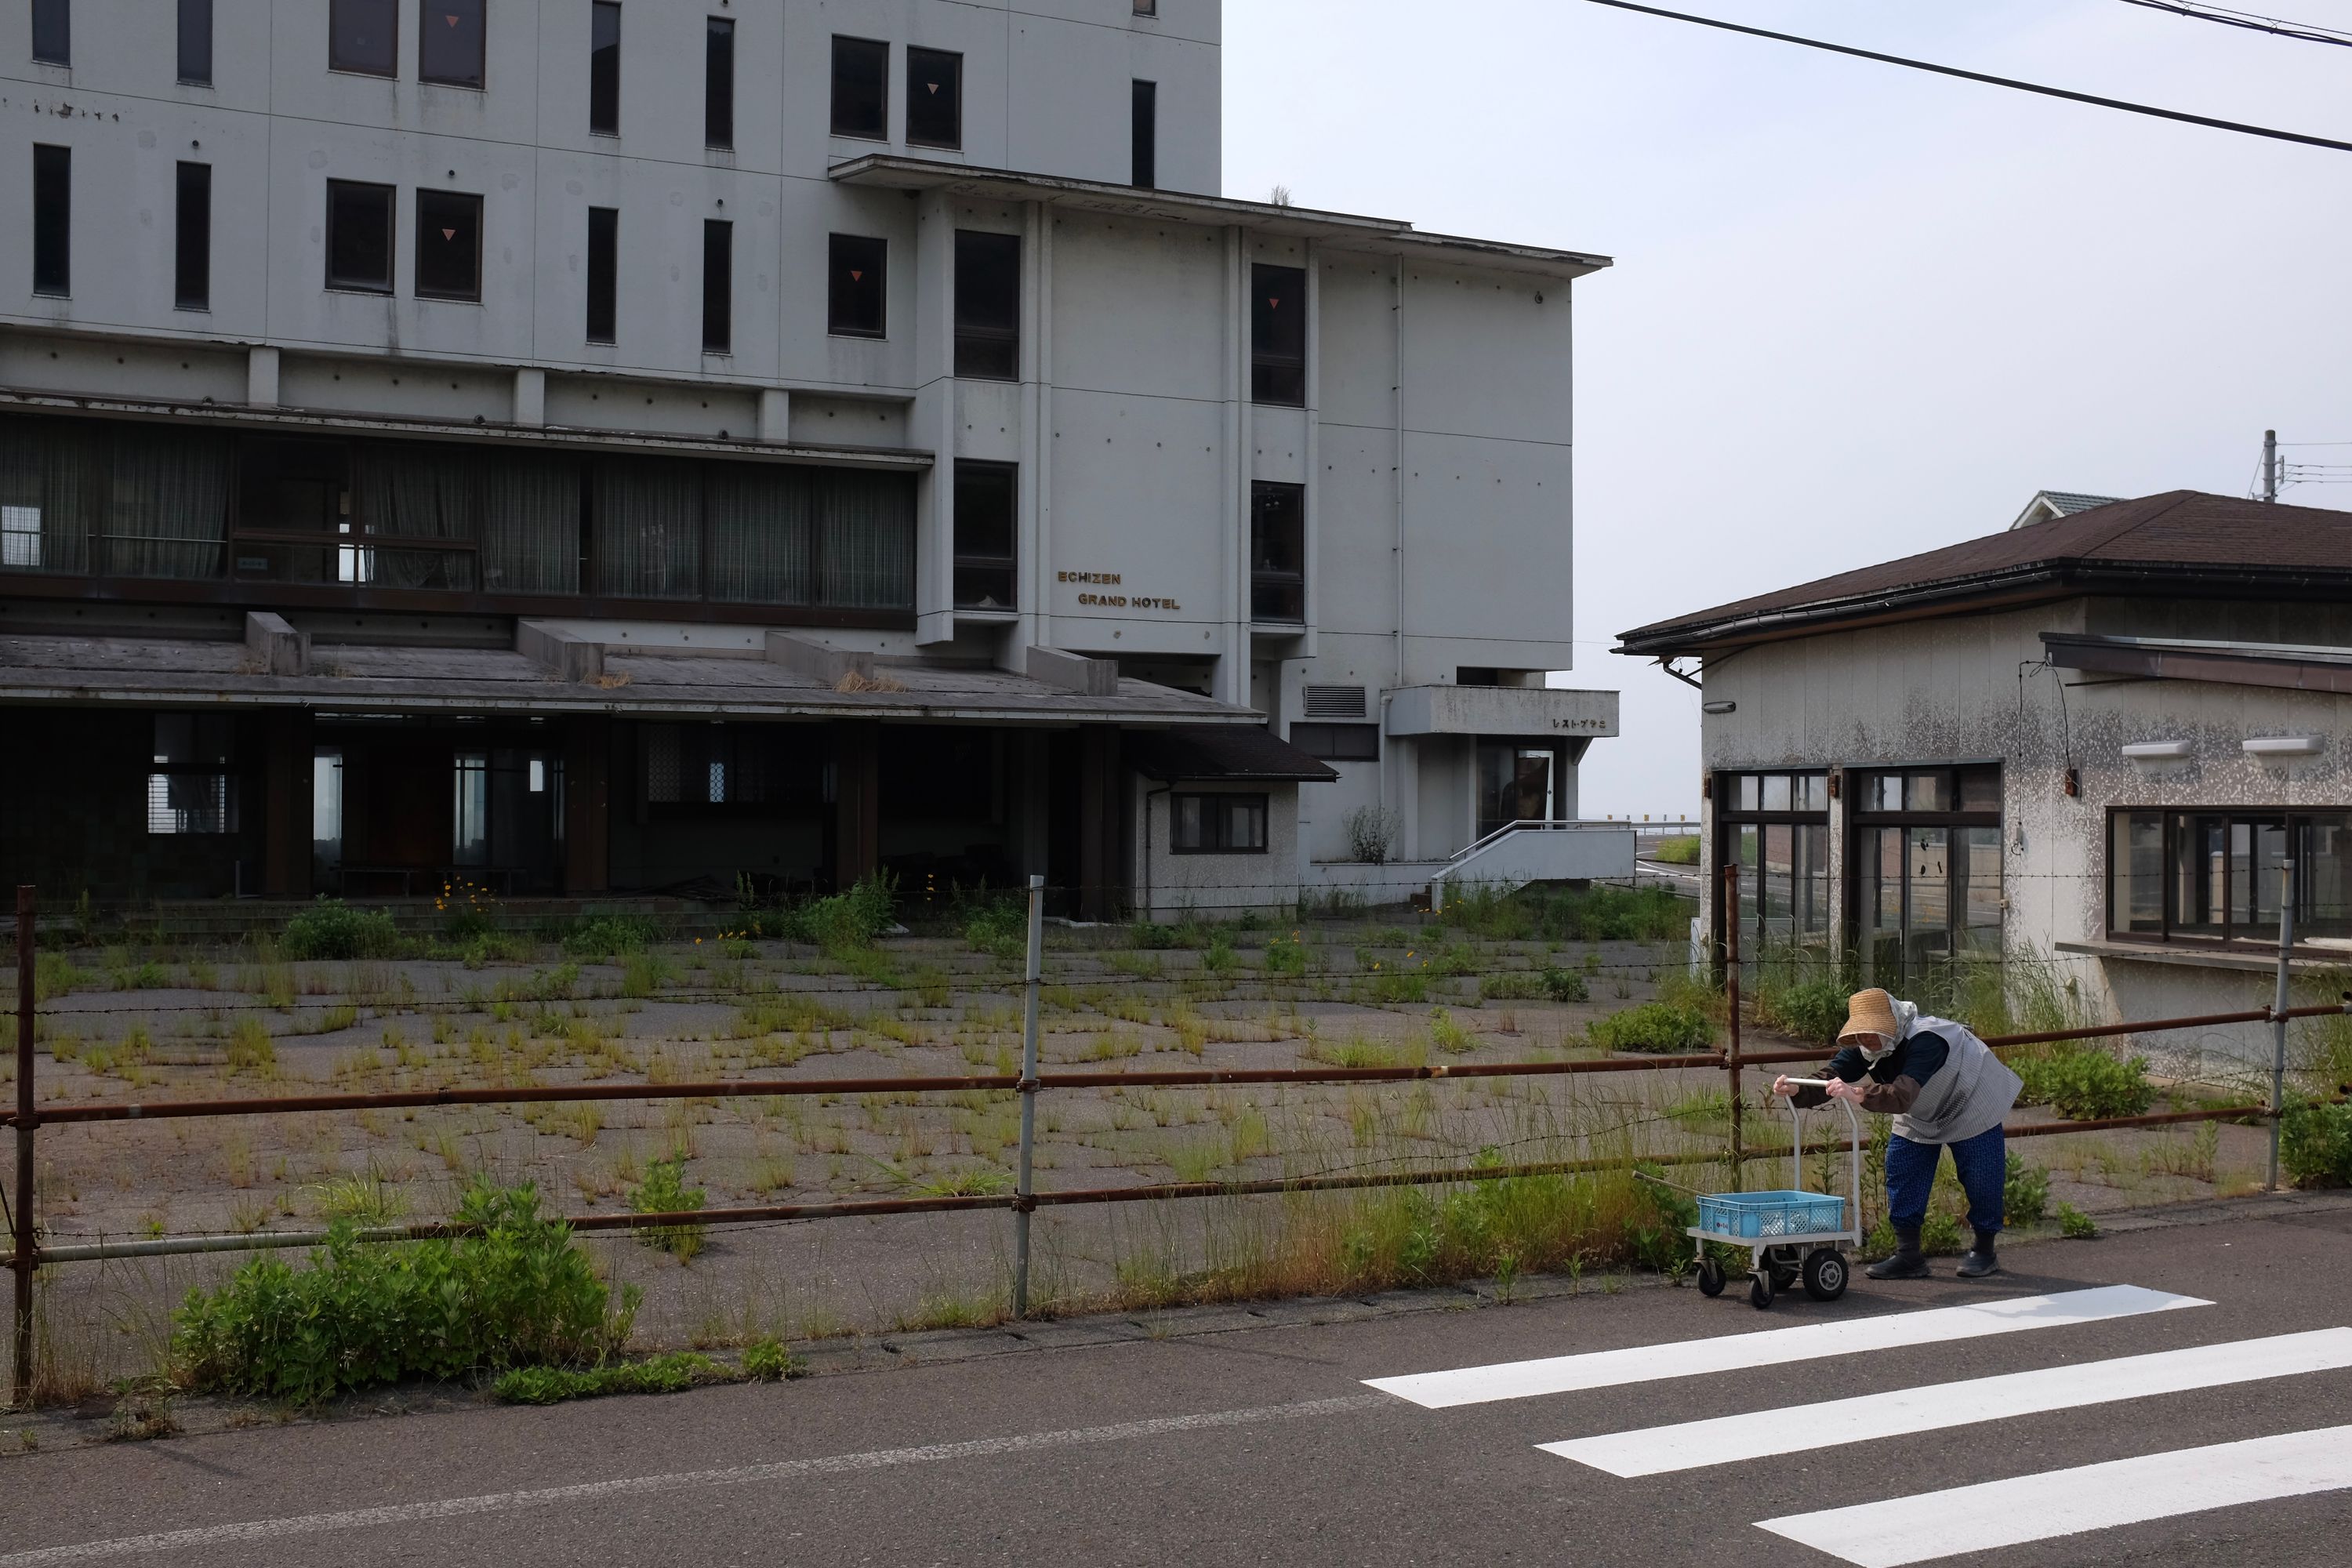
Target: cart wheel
(1760,1290)
(1710,1277)
(1786,1271)
(1825,1274)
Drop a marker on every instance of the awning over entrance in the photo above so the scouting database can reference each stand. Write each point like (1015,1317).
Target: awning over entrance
(1519,711)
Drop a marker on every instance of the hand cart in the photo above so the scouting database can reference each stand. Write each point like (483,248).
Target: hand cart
(1789,1235)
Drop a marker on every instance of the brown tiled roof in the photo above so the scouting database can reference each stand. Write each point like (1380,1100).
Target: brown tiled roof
(2180,542)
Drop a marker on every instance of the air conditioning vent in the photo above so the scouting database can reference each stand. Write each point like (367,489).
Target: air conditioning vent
(1335,701)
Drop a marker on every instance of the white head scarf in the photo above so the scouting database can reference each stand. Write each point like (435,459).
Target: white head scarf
(1907,1018)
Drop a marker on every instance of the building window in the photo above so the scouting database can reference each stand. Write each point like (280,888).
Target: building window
(1338,742)
(359,237)
(717,286)
(1278,553)
(469,817)
(988,305)
(196,43)
(1147,7)
(861,88)
(1928,852)
(52,220)
(1776,829)
(746,769)
(718,82)
(449,245)
(363,36)
(191,249)
(449,42)
(2213,873)
(1278,335)
(986,495)
(192,783)
(856,296)
(1143,134)
(53,32)
(934,98)
(605,69)
(1217,824)
(604,295)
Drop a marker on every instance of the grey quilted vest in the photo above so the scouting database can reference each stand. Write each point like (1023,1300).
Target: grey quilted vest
(1971,1092)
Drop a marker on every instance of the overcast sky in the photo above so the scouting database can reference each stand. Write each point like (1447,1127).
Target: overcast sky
(1857,311)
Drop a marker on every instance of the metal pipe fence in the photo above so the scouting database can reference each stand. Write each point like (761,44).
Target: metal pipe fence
(29,1254)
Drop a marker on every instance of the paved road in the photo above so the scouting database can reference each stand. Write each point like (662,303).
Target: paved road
(1266,1444)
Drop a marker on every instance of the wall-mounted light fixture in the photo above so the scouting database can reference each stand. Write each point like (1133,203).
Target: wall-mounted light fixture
(1720,706)
(2157,751)
(2284,746)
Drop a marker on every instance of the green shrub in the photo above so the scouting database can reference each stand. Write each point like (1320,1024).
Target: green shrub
(999,928)
(843,921)
(2024,1193)
(332,929)
(766,1361)
(1565,984)
(672,1374)
(609,936)
(1941,1233)
(1605,913)
(2084,1085)
(518,1292)
(1515,986)
(1399,986)
(1656,1028)
(1286,955)
(2074,1225)
(2315,1144)
(1812,1010)
(664,1190)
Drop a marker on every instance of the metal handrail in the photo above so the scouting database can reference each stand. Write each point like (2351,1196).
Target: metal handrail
(1537,824)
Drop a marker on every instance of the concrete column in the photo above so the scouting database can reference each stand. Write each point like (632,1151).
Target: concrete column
(1312,564)
(1232,680)
(261,377)
(857,806)
(775,414)
(530,398)
(1101,825)
(587,806)
(285,813)
(1033,544)
(933,419)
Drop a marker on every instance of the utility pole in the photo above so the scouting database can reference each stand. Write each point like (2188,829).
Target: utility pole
(2270,466)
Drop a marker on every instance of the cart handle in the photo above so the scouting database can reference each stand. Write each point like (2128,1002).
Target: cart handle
(1812,1082)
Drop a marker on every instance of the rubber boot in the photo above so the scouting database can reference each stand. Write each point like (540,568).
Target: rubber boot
(1908,1262)
(1979,1260)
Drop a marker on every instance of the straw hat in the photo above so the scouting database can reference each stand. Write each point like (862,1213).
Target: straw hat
(1870,1013)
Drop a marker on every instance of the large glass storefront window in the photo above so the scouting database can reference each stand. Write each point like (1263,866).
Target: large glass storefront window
(1928,856)
(2214,874)
(1776,829)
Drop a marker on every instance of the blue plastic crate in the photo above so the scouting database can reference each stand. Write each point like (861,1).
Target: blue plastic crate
(1756,1216)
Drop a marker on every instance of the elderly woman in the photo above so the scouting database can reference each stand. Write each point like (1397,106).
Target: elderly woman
(1945,1090)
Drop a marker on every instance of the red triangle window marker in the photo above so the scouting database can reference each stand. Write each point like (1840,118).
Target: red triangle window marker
(932,85)
(855,276)
(451,20)
(448,233)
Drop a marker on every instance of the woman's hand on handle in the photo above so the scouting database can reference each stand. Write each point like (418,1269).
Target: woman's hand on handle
(1853,1091)
(1782,1086)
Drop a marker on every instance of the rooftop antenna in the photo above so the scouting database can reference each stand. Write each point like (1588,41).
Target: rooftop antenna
(2270,466)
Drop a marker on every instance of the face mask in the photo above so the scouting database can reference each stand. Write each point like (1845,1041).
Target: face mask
(1886,1048)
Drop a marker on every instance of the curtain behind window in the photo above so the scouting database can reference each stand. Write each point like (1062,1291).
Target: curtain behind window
(52,485)
(761,521)
(866,543)
(649,529)
(419,492)
(531,526)
(168,511)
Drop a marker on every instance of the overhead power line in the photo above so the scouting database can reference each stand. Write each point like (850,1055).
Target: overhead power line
(2308,32)
(2011,82)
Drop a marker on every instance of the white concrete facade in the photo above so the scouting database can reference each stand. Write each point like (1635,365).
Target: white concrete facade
(1432,445)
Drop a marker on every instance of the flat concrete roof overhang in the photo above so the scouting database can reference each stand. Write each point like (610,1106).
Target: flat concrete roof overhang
(1524,712)
(1386,236)
(364,680)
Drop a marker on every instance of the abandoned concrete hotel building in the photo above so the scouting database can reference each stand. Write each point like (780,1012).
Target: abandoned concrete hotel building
(600,446)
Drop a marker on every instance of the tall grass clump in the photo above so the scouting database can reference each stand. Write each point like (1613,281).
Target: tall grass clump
(332,929)
(2083,1083)
(1654,1028)
(664,1190)
(2315,1144)
(1680,850)
(997,926)
(609,936)
(517,1293)
(1811,1009)
(1606,913)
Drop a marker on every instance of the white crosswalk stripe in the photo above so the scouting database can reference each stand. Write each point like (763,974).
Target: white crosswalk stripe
(2069,1502)
(1727,1439)
(1774,1347)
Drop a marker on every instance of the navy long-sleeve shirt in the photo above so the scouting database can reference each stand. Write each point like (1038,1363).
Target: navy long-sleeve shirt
(1896,1079)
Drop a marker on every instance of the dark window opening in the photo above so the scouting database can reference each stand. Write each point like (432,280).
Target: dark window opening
(2213,874)
(988,305)
(363,36)
(85,497)
(717,286)
(605,69)
(195,40)
(986,497)
(1278,335)
(743,770)
(1217,824)
(718,82)
(1278,553)
(1338,742)
(604,296)
(359,237)
(52,220)
(449,43)
(1144,135)
(861,88)
(449,245)
(191,781)
(934,98)
(856,296)
(191,249)
(53,32)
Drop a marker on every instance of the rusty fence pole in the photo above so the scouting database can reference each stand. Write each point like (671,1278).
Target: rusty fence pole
(1025,1193)
(2278,1013)
(1731,995)
(22,1262)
